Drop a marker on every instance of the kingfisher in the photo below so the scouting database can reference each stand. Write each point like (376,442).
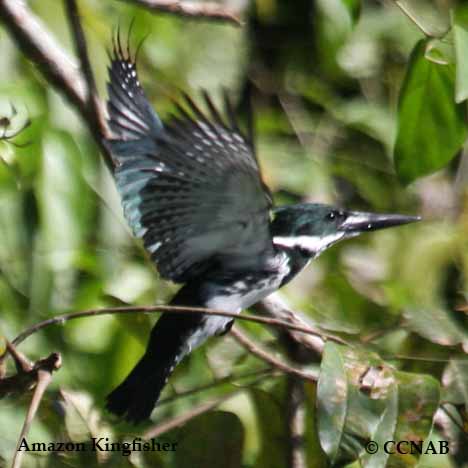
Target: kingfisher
(192,190)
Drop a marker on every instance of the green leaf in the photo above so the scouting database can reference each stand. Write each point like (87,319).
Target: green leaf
(384,431)
(81,419)
(269,407)
(432,21)
(346,416)
(431,127)
(361,398)
(334,20)
(208,438)
(354,9)
(455,381)
(315,456)
(460,32)
(418,400)
(332,394)
(447,333)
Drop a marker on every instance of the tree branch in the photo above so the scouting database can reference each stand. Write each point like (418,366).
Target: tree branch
(224,380)
(42,49)
(39,46)
(94,106)
(253,348)
(180,420)
(28,373)
(416,21)
(200,10)
(44,377)
(314,341)
(61,319)
(295,420)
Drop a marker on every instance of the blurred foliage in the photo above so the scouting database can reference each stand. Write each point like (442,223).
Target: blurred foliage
(354,100)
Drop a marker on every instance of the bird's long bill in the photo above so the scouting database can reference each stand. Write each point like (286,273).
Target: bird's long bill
(358,222)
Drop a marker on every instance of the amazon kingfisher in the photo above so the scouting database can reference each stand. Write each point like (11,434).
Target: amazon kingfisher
(191,189)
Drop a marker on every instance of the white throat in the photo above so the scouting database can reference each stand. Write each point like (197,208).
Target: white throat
(312,244)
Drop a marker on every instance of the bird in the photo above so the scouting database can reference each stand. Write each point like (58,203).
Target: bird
(192,190)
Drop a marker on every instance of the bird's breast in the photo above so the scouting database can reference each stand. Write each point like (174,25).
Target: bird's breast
(240,292)
(234,293)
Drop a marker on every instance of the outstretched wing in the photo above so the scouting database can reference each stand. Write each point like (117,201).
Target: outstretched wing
(191,189)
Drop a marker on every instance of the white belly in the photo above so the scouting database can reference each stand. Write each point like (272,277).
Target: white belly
(234,298)
(215,324)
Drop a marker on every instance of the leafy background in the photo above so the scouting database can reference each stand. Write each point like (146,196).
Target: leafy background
(357,104)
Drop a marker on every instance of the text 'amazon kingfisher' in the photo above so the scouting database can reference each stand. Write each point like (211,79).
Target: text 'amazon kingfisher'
(191,188)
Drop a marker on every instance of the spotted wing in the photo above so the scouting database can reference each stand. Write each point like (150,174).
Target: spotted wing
(191,189)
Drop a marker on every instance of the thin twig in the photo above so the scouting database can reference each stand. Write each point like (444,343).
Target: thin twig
(297,117)
(185,417)
(295,421)
(443,407)
(200,10)
(27,372)
(180,420)
(254,348)
(274,306)
(377,334)
(39,46)
(294,401)
(93,104)
(217,383)
(409,14)
(44,378)
(60,319)
(21,361)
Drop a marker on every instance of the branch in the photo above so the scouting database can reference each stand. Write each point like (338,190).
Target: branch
(39,46)
(61,319)
(185,417)
(28,373)
(413,18)
(94,106)
(217,383)
(295,400)
(252,347)
(44,377)
(314,341)
(200,10)
(22,363)
(197,411)
(42,49)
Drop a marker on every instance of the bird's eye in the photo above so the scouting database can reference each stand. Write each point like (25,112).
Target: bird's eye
(331,215)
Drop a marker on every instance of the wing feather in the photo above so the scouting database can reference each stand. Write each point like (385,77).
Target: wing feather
(191,188)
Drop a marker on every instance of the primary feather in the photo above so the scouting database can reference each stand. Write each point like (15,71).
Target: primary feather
(191,189)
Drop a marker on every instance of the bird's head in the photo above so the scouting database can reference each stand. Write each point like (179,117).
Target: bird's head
(312,228)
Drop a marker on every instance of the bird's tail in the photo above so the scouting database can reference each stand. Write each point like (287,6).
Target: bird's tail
(135,398)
